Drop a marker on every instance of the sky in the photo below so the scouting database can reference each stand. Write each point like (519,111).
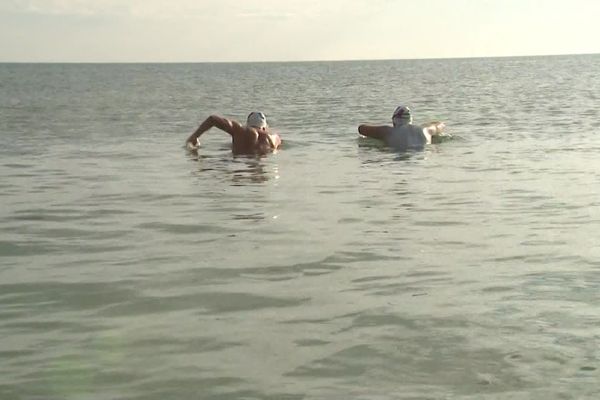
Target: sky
(292,30)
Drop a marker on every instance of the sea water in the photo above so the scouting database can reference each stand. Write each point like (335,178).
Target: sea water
(335,268)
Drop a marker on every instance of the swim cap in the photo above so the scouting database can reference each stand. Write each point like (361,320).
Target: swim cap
(402,116)
(257,120)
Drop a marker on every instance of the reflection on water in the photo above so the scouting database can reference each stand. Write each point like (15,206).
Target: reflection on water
(241,169)
(253,171)
(371,151)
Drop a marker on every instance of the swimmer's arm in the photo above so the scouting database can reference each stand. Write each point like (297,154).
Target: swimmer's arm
(377,132)
(434,128)
(230,126)
(263,137)
(272,139)
(276,140)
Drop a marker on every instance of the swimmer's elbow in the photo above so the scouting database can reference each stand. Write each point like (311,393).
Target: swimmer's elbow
(213,119)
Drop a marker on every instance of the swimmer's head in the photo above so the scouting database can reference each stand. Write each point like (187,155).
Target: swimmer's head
(402,116)
(257,120)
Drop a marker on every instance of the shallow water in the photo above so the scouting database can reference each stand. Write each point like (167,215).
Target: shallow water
(335,268)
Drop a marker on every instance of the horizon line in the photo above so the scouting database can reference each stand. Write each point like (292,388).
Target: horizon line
(300,61)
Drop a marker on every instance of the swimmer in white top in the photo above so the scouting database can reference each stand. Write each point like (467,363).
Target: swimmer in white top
(403,135)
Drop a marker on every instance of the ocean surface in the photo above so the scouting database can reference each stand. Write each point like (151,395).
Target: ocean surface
(335,268)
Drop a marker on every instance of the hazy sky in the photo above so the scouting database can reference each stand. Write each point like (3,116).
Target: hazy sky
(270,30)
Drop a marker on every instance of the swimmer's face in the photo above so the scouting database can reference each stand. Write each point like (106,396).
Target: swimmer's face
(257,120)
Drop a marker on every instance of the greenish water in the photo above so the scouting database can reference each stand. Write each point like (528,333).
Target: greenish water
(333,269)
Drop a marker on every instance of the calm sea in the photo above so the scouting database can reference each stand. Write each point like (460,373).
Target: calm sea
(333,269)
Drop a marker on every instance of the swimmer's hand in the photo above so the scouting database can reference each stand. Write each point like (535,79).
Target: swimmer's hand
(190,145)
(440,128)
(435,128)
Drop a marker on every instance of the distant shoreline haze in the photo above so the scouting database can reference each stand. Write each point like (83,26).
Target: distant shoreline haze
(299,61)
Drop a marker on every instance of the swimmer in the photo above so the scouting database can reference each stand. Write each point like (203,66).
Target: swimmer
(403,134)
(255,137)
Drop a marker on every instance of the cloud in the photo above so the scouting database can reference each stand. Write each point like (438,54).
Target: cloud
(270,15)
(186,9)
(131,8)
(65,7)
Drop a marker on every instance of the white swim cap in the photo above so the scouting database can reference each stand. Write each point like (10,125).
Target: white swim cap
(402,116)
(257,120)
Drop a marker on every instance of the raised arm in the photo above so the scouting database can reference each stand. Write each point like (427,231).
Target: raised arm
(230,126)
